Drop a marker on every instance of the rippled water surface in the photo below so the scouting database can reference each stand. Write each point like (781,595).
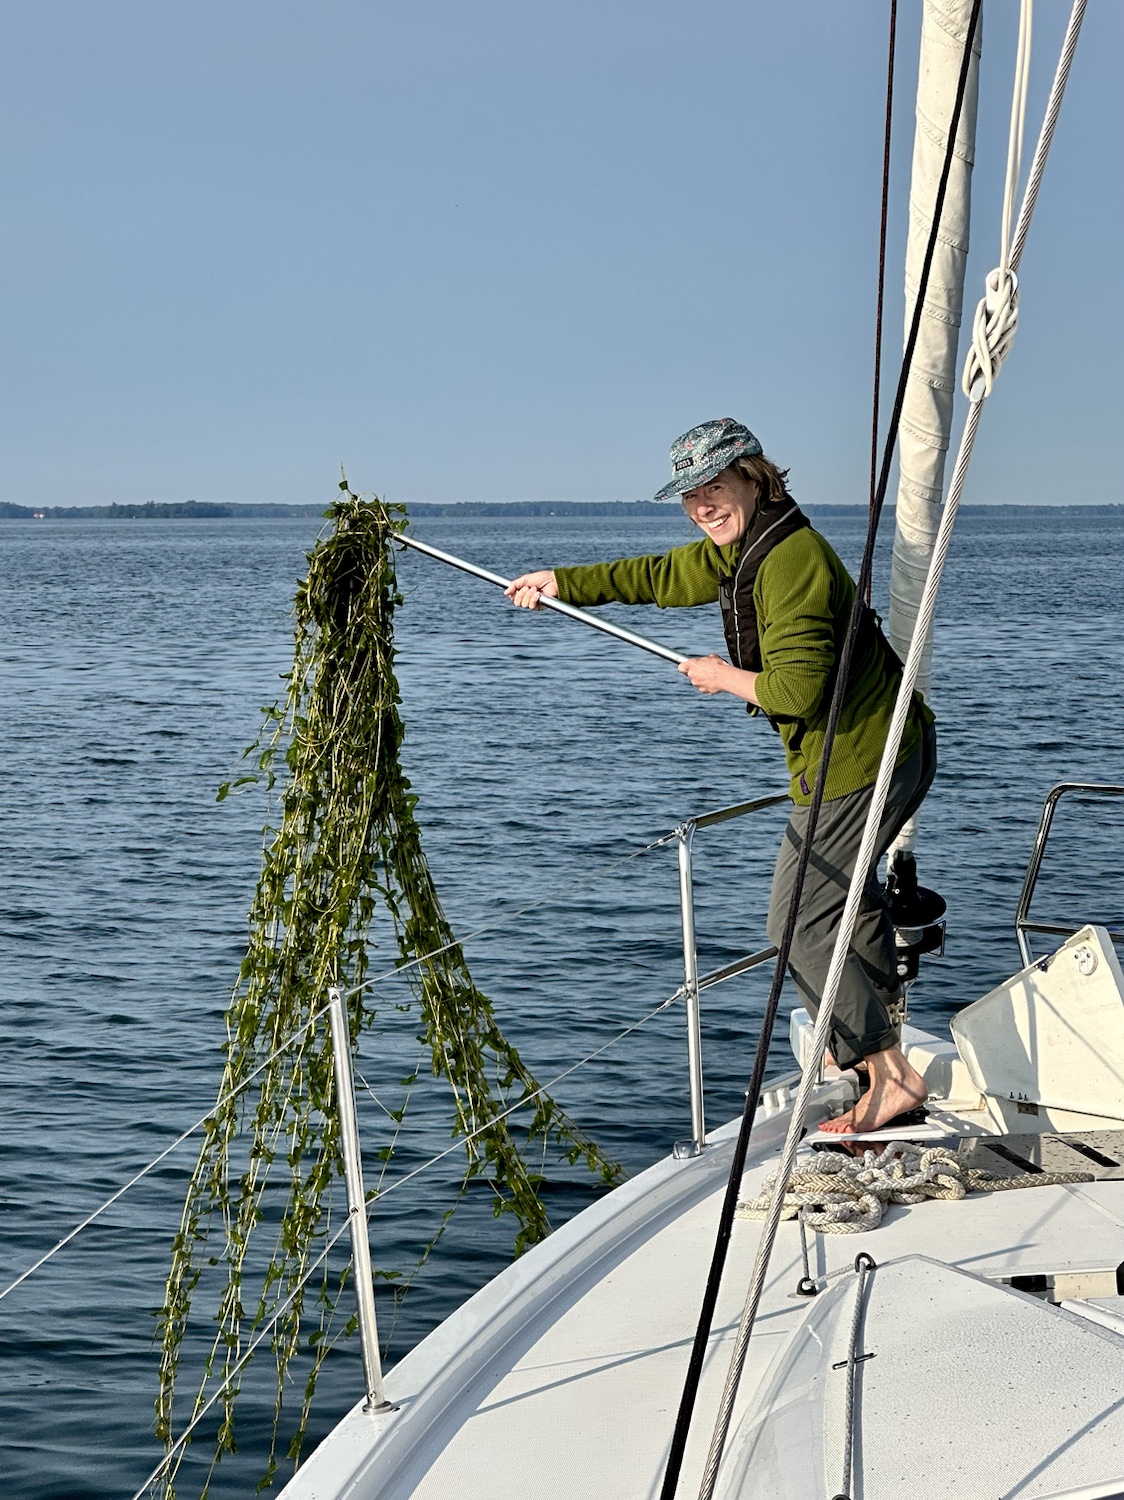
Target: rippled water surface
(136,656)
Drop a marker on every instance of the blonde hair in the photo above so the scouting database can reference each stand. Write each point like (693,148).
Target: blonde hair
(768,476)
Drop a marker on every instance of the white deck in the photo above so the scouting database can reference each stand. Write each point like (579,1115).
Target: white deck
(569,1382)
(562,1377)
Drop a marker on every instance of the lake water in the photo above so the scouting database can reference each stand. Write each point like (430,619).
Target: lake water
(136,657)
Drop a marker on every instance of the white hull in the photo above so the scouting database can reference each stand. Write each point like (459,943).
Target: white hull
(562,1377)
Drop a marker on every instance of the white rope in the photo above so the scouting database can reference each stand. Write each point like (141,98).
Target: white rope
(848,1194)
(879,794)
(1046,134)
(997,314)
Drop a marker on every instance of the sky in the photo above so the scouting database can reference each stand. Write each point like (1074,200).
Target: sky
(508,251)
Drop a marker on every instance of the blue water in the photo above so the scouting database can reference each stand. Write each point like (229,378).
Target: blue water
(135,659)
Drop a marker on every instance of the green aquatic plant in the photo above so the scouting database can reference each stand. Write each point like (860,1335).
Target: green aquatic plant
(344,856)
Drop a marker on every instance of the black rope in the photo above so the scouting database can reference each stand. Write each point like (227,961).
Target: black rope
(881,298)
(753,1093)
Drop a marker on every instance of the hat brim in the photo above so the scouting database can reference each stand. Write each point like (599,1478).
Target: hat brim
(704,473)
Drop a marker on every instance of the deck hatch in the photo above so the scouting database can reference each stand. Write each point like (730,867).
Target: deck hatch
(1098,1152)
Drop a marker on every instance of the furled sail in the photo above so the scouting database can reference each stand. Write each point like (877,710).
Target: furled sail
(926,421)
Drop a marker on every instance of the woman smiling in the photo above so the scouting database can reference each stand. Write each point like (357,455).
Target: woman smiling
(786,602)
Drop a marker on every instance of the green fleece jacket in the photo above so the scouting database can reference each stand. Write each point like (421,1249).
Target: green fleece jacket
(803,596)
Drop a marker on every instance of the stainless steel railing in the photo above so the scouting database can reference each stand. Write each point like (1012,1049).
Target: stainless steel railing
(1023,924)
(693,985)
(376,1403)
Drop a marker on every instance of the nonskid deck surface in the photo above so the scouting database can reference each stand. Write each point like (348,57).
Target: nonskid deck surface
(578,1398)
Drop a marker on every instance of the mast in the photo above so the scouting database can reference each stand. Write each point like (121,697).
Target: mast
(926,421)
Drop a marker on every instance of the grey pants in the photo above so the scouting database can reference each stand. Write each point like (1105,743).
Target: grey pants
(860,1023)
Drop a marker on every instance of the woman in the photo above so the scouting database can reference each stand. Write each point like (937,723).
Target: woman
(786,603)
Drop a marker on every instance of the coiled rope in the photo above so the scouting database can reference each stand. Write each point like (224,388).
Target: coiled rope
(879,793)
(849,1194)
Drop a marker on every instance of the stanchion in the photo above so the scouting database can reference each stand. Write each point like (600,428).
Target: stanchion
(356,1203)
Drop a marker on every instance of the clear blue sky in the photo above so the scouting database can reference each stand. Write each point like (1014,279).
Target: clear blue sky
(500,250)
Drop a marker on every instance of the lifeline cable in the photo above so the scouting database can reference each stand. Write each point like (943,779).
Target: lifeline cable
(391,973)
(160,1469)
(741,1146)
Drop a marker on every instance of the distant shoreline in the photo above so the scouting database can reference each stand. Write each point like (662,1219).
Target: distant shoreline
(207,510)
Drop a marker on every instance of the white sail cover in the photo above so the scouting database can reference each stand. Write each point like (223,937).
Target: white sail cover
(926,421)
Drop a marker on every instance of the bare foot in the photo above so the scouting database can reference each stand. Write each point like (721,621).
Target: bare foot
(895,1087)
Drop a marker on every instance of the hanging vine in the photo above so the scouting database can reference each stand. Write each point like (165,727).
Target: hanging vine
(346,852)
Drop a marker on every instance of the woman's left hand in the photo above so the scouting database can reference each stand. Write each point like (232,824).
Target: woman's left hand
(710,674)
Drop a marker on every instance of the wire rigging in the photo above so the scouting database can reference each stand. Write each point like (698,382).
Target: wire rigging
(499,922)
(878,800)
(753,1093)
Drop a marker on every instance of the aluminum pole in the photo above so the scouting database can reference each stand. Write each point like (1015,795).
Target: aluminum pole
(691,993)
(356,1203)
(568,610)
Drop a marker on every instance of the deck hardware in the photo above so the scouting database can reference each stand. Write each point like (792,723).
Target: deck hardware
(1035,1286)
(917,915)
(1013,1157)
(1091,1153)
(686,833)
(1085,959)
(858,1359)
(806,1286)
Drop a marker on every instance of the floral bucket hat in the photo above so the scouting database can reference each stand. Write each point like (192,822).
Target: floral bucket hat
(705,451)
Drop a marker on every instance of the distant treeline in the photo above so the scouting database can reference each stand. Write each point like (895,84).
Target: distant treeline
(206,510)
(151,510)
(650,508)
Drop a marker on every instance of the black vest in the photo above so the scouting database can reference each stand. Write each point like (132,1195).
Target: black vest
(770,525)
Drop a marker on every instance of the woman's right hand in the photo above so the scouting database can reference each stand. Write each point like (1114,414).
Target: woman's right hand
(527,590)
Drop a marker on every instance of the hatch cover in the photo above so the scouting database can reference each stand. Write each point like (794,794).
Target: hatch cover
(1097,1152)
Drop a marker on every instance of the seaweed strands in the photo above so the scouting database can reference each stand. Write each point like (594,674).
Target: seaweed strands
(346,851)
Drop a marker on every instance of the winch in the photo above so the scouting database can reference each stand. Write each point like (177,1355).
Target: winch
(916,912)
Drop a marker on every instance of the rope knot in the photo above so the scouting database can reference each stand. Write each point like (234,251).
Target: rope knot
(993,333)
